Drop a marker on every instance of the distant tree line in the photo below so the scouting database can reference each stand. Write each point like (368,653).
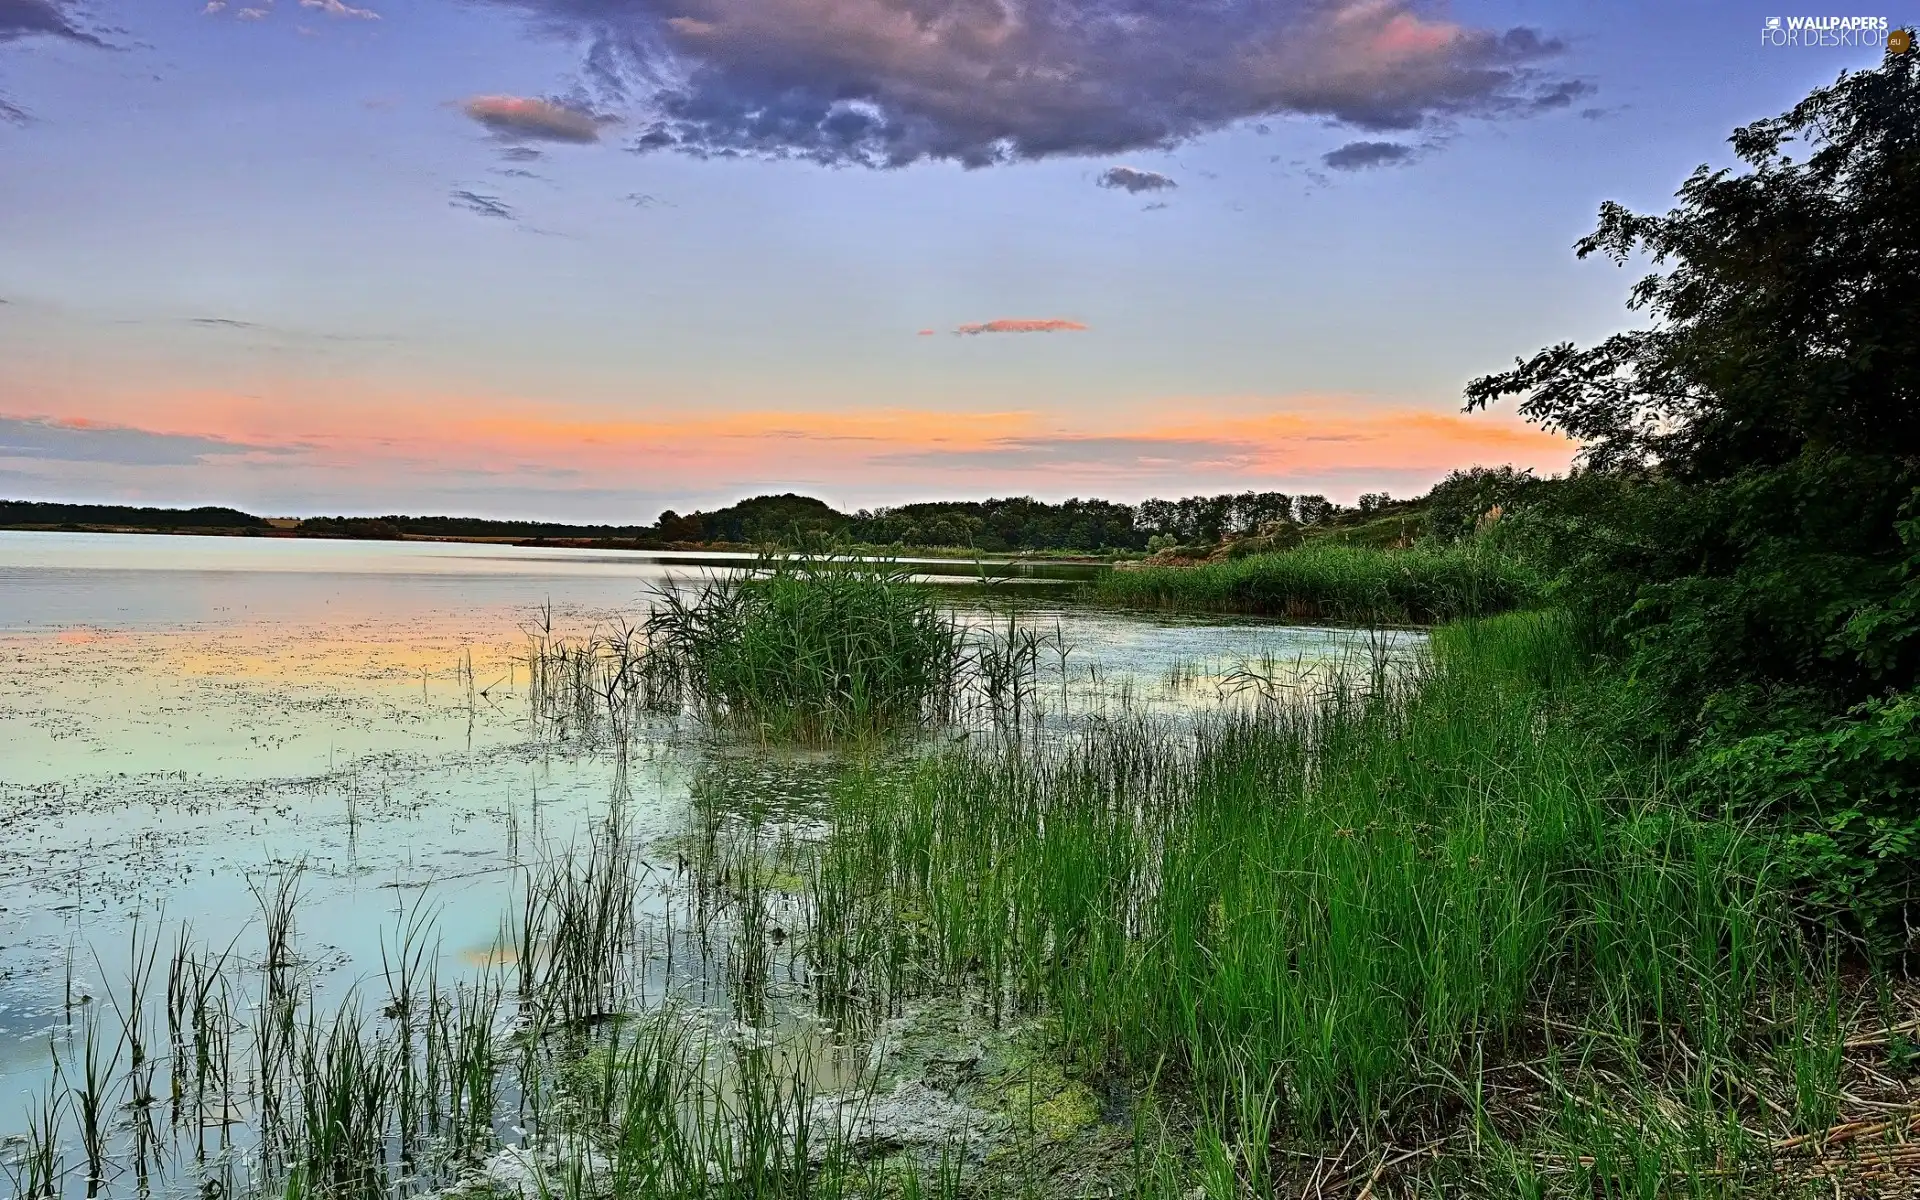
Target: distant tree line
(44,514)
(1017,523)
(1002,525)
(391,527)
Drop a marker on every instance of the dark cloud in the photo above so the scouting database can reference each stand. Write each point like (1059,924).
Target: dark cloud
(1561,95)
(274,336)
(1132,179)
(1357,156)
(21,19)
(63,441)
(521,154)
(41,18)
(889,82)
(532,117)
(518,173)
(1156,206)
(1126,453)
(1023,325)
(486,206)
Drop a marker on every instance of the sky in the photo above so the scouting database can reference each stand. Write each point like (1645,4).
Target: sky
(588,259)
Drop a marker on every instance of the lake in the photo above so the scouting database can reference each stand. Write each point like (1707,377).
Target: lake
(189,723)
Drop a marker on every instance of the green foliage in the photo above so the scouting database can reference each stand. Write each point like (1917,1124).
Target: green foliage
(468,527)
(1788,319)
(811,646)
(1744,540)
(1021,523)
(1460,505)
(1327,580)
(1339,910)
(1849,793)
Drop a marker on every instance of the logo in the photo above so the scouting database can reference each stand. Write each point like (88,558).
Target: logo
(1827,31)
(1899,41)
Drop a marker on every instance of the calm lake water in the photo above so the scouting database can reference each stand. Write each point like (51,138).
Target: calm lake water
(184,720)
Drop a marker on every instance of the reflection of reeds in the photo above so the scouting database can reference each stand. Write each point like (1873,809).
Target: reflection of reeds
(93,1095)
(577,929)
(36,1171)
(412,1090)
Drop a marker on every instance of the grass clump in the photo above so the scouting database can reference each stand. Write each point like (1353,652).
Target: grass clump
(1327,581)
(812,646)
(1359,918)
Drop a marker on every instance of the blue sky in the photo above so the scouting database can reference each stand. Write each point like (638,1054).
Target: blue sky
(419,255)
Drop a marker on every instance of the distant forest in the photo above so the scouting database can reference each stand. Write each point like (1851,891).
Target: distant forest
(996,526)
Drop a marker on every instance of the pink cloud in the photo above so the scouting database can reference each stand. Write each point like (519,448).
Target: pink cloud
(1024,325)
(532,117)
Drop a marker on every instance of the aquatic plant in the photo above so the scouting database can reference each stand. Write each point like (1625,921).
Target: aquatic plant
(1349,917)
(1330,581)
(811,645)
(1412,932)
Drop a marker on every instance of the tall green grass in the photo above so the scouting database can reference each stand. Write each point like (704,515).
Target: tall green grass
(1343,918)
(811,645)
(1326,581)
(1419,930)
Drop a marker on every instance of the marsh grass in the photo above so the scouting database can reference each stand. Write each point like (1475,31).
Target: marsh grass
(811,646)
(556,1061)
(807,647)
(1394,914)
(1414,931)
(1328,581)
(593,688)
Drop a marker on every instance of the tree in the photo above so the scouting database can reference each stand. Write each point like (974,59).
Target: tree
(1746,535)
(1315,510)
(1458,504)
(1788,319)
(1770,410)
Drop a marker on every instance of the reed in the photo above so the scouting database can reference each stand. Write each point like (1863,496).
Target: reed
(1328,581)
(576,933)
(36,1168)
(811,646)
(1340,918)
(94,1094)
(1411,931)
(595,687)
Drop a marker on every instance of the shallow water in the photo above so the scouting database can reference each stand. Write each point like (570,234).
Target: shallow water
(184,720)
